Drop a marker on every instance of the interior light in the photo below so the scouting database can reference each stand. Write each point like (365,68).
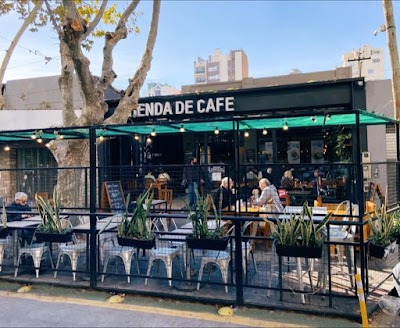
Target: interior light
(153,133)
(264,132)
(285,127)
(216,131)
(7,148)
(182,129)
(136,137)
(246,134)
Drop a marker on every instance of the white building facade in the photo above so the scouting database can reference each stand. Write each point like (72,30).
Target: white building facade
(221,67)
(367,62)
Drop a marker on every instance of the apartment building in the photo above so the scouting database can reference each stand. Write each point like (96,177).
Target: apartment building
(365,62)
(158,89)
(220,67)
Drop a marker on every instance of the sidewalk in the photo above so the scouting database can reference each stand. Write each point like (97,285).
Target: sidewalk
(85,308)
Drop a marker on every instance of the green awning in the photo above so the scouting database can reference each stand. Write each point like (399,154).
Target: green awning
(165,127)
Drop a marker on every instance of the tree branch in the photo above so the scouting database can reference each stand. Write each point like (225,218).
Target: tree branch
(14,43)
(52,19)
(96,20)
(111,40)
(129,101)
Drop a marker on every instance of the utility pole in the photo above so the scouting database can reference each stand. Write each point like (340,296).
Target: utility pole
(359,59)
(393,54)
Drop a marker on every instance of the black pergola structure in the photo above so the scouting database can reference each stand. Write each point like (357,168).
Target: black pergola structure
(316,105)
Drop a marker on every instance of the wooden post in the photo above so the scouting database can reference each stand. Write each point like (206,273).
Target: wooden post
(393,54)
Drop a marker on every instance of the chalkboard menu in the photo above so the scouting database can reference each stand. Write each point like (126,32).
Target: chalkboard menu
(113,196)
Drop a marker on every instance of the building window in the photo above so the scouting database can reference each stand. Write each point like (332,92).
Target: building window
(376,60)
(376,52)
(200,69)
(200,79)
(370,71)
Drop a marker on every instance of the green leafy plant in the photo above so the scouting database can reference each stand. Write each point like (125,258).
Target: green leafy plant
(396,226)
(138,226)
(50,215)
(200,214)
(299,230)
(382,227)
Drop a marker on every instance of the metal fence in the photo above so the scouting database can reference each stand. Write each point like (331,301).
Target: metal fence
(248,271)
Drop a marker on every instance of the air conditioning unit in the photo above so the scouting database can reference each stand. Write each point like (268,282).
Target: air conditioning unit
(366,157)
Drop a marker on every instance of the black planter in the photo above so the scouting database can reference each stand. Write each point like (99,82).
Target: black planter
(138,243)
(3,232)
(298,251)
(42,237)
(212,244)
(379,251)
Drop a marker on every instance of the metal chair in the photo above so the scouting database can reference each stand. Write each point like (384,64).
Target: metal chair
(165,252)
(71,250)
(4,244)
(36,251)
(125,253)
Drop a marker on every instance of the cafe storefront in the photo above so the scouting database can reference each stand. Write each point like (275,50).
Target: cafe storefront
(292,127)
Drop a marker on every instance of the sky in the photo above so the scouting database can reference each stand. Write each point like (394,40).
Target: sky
(277,36)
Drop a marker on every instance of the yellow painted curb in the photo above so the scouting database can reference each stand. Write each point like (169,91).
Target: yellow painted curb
(146,309)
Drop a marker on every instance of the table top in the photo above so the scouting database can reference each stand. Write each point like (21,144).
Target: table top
(211,224)
(22,224)
(176,234)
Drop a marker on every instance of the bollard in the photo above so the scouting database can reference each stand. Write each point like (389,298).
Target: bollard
(361,299)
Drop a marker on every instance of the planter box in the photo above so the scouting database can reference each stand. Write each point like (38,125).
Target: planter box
(42,237)
(3,232)
(381,252)
(137,243)
(212,244)
(298,251)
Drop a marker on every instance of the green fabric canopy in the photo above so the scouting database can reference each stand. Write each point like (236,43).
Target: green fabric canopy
(164,127)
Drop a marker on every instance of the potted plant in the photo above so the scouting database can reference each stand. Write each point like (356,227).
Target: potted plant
(136,231)
(382,228)
(204,237)
(3,227)
(51,228)
(298,236)
(396,227)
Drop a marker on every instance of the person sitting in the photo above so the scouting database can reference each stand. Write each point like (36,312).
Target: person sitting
(287,181)
(163,176)
(227,191)
(20,205)
(269,196)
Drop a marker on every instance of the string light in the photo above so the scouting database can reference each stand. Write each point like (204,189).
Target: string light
(314,119)
(39,140)
(264,132)
(7,148)
(182,129)
(285,127)
(148,140)
(246,134)
(328,117)
(58,136)
(216,131)
(101,138)
(136,137)
(153,133)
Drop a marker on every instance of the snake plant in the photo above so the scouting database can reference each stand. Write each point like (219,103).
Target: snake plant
(199,216)
(50,215)
(299,230)
(383,227)
(138,226)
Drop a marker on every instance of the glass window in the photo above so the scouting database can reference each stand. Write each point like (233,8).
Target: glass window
(376,60)
(370,71)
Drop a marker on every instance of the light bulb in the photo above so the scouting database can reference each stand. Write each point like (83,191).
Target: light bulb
(264,132)
(136,137)
(285,127)
(148,140)
(216,131)
(7,148)
(153,133)
(40,140)
(246,134)
(101,138)
(182,129)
